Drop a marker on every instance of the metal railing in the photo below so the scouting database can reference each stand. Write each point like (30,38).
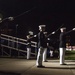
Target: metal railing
(11,45)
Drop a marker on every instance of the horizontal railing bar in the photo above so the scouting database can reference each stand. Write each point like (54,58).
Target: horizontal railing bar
(19,40)
(13,41)
(16,49)
(13,37)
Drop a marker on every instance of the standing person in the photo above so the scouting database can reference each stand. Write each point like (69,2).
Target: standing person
(29,44)
(62,45)
(41,45)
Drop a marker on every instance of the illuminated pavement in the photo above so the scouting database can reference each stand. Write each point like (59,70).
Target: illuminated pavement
(28,67)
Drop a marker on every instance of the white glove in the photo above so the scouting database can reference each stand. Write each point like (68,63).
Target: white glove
(53,32)
(35,35)
(73,29)
(11,18)
(48,38)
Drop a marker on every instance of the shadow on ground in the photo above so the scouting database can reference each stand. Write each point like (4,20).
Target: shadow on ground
(9,73)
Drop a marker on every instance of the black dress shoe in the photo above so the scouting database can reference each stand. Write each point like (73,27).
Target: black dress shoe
(46,61)
(63,64)
(41,66)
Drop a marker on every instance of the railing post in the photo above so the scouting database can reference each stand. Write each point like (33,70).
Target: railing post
(35,50)
(17,46)
(9,45)
(2,51)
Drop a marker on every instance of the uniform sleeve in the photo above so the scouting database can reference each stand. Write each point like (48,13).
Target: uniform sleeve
(68,32)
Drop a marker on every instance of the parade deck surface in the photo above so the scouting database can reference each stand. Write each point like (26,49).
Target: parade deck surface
(10,66)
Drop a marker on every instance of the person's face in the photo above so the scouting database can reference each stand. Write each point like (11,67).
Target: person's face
(63,30)
(42,29)
(28,37)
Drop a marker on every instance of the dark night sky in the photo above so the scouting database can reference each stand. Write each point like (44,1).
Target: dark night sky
(53,13)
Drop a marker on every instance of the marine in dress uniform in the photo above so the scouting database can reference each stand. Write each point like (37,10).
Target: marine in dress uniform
(41,45)
(62,45)
(29,44)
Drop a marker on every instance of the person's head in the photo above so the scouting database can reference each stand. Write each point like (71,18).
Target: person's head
(30,33)
(42,28)
(63,29)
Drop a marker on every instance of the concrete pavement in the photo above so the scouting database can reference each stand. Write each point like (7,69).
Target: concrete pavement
(28,67)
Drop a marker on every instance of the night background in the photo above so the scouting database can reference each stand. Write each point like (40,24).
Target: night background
(29,14)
